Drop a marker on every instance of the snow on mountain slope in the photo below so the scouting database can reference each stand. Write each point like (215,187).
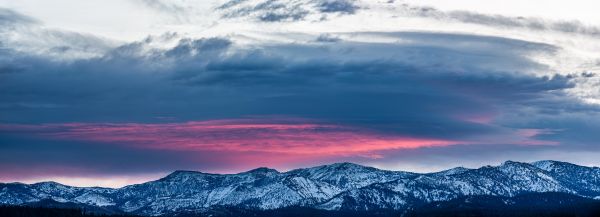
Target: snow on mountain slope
(92,198)
(17,193)
(260,188)
(342,186)
(584,180)
(453,171)
(508,179)
(349,176)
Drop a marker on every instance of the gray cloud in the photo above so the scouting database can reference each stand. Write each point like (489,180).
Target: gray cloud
(531,23)
(327,38)
(342,6)
(23,35)
(418,89)
(173,9)
(270,11)
(433,85)
(277,10)
(163,6)
(9,18)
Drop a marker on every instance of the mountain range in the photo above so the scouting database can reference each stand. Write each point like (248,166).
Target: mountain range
(335,187)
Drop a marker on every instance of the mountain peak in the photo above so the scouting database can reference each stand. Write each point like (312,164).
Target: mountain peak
(337,186)
(50,184)
(512,166)
(262,170)
(514,163)
(545,164)
(549,165)
(343,166)
(182,174)
(453,171)
(347,165)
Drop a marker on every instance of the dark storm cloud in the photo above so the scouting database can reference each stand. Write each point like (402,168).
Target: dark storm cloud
(424,88)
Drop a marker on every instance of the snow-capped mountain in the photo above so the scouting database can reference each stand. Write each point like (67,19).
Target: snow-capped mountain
(342,186)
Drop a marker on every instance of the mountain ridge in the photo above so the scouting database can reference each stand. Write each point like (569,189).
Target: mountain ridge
(335,187)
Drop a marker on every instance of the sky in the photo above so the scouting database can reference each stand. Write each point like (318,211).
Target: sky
(117,92)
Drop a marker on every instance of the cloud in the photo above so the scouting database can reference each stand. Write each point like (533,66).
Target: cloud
(163,6)
(435,91)
(269,11)
(88,149)
(320,10)
(327,38)
(249,135)
(23,35)
(422,88)
(276,10)
(10,18)
(224,102)
(180,11)
(531,23)
(92,149)
(343,6)
(188,47)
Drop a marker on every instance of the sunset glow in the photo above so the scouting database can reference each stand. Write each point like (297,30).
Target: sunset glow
(116,92)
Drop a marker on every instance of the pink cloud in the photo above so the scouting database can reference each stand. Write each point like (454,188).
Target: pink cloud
(232,145)
(288,137)
(530,135)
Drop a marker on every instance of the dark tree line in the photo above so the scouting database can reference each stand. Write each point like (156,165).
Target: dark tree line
(526,205)
(25,211)
(460,210)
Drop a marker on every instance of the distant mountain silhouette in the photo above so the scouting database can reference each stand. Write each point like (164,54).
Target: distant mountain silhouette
(342,189)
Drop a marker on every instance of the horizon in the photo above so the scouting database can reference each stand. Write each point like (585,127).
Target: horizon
(117,92)
(289,170)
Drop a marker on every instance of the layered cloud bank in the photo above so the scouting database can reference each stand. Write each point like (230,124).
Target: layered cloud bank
(230,85)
